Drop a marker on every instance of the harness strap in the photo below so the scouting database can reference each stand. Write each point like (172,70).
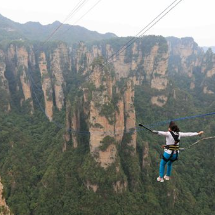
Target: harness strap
(171,147)
(175,137)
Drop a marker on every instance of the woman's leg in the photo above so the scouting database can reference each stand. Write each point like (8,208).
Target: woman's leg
(162,168)
(169,168)
(169,165)
(162,164)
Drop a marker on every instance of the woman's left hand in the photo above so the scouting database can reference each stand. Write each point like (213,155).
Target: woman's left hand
(200,133)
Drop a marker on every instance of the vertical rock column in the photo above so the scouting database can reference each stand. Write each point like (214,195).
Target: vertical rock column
(101,121)
(46,86)
(72,124)
(57,65)
(119,125)
(130,117)
(75,124)
(22,65)
(4,87)
(208,68)
(4,209)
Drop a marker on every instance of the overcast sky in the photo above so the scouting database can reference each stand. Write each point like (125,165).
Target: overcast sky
(193,18)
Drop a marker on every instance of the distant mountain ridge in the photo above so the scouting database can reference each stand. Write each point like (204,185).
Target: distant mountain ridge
(10,30)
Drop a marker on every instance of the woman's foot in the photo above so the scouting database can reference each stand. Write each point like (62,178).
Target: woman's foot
(167,178)
(160,179)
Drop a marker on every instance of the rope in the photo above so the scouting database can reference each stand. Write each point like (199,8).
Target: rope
(206,138)
(77,8)
(145,29)
(179,119)
(81,17)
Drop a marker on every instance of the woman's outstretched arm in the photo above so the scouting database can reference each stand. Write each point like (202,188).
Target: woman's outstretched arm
(190,134)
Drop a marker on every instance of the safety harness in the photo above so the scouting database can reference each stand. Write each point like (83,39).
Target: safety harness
(173,148)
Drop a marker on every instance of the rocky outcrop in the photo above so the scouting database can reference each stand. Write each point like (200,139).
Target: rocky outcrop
(90,186)
(155,66)
(72,122)
(129,114)
(185,57)
(110,114)
(189,59)
(22,68)
(159,100)
(17,61)
(4,209)
(145,158)
(208,69)
(4,87)
(102,119)
(22,64)
(207,91)
(11,60)
(120,121)
(46,86)
(53,63)
(185,53)
(84,58)
(75,125)
(110,120)
(117,120)
(159,79)
(60,62)
(119,186)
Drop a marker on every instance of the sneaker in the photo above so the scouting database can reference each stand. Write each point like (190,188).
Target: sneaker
(160,179)
(167,178)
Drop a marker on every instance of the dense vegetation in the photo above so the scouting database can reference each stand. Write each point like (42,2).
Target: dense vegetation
(40,179)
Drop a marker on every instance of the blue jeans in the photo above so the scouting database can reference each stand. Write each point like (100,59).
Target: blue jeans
(169,165)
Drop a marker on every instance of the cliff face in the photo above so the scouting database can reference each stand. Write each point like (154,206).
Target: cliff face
(110,118)
(117,119)
(60,62)
(4,209)
(146,61)
(4,87)
(187,58)
(72,123)
(208,69)
(102,117)
(18,60)
(21,63)
(108,94)
(108,89)
(185,55)
(46,86)
(129,114)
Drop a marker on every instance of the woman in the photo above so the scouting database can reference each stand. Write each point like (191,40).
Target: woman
(173,136)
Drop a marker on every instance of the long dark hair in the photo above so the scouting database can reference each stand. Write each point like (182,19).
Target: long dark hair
(174,127)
